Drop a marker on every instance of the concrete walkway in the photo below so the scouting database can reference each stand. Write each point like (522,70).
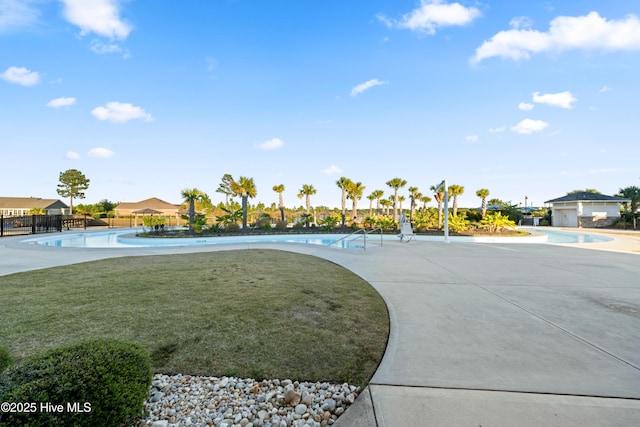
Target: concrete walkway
(481,334)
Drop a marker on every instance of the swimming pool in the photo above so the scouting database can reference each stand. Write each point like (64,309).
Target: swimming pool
(558,236)
(128,239)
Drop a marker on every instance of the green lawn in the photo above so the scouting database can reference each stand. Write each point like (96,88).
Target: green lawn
(250,313)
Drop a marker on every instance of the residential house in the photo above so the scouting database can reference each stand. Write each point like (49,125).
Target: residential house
(19,206)
(152,206)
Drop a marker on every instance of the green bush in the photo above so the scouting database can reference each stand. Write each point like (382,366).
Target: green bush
(458,224)
(496,222)
(474,215)
(281,225)
(426,219)
(329,222)
(264,223)
(107,379)
(5,359)
(232,227)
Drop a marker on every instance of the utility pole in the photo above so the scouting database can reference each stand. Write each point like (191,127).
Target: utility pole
(443,185)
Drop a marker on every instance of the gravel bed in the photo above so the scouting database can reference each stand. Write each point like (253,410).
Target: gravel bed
(185,400)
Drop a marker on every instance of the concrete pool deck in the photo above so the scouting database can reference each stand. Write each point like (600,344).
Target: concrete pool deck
(481,334)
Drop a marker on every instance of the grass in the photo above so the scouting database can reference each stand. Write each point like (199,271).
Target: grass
(251,313)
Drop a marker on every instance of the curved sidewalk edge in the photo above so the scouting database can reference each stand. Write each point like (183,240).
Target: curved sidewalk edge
(390,406)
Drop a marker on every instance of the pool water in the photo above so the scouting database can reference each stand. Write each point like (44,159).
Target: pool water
(557,236)
(127,239)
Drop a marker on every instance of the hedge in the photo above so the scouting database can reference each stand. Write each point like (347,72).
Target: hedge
(93,383)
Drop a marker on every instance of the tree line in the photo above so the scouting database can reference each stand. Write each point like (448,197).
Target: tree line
(74,183)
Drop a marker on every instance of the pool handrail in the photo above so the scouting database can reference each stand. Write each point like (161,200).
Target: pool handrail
(364,236)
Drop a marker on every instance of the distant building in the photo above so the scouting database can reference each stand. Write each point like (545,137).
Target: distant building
(584,209)
(19,206)
(152,206)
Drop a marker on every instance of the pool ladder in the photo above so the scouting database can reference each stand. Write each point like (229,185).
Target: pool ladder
(363,233)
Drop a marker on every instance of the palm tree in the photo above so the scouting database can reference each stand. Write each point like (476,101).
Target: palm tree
(483,193)
(396,184)
(425,200)
(455,191)
(245,188)
(415,195)
(400,200)
(190,196)
(371,198)
(385,204)
(343,184)
(632,193)
(438,194)
(377,194)
(354,192)
(280,189)
(307,191)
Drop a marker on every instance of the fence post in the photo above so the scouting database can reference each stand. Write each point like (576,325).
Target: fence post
(1,225)
(33,224)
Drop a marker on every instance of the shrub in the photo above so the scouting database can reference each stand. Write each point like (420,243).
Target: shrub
(458,224)
(426,219)
(214,228)
(264,223)
(370,221)
(496,222)
(112,377)
(329,222)
(232,227)
(474,215)
(385,222)
(5,359)
(281,225)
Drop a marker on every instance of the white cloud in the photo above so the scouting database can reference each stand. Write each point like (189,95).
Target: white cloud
(432,14)
(604,89)
(17,14)
(61,102)
(332,170)
(97,16)
(562,99)
(525,107)
(472,138)
(498,129)
(72,155)
(366,85)
(271,144)
(520,22)
(120,112)
(21,76)
(100,152)
(529,126)
(102,48)
(565,33)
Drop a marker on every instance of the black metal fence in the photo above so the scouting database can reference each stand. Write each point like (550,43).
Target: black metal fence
(31,224)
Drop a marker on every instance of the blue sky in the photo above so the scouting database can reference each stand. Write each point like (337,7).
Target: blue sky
(148,97)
